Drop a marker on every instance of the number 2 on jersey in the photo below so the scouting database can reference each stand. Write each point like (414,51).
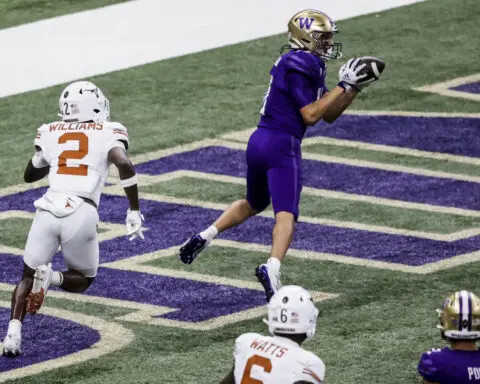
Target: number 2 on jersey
(261,361)
(80,153)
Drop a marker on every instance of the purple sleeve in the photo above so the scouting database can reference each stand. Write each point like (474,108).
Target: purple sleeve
(427,367)
(300,88)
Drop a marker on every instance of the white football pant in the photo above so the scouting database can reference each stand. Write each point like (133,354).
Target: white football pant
(76,234)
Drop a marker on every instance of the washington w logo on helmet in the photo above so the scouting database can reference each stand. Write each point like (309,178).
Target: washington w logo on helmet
(305,23)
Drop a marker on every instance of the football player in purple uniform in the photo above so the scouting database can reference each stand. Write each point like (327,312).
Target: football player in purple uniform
(296,98)
(460,325)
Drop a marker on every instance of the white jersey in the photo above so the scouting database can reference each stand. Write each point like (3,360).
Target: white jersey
(274,360)
(77,154)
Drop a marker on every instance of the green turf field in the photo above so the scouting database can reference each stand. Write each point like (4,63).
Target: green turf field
(17,12)
(375,331)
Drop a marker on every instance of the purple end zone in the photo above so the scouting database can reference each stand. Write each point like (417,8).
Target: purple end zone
(456,135)
(45,338)
(195,301)
(337,177)
(469,88)
(171,224)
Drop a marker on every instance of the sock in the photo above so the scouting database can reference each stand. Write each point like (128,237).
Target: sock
(274,264)
(210,233)
(57,279)
(14,327)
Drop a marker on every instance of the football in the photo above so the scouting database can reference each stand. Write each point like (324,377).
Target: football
(374,68)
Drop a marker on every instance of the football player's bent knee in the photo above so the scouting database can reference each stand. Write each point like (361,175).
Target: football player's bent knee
(257,206)
(284,216)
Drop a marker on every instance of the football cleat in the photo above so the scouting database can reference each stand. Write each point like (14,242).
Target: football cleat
(41,282)
(190,250)
(11,345)
(270,282)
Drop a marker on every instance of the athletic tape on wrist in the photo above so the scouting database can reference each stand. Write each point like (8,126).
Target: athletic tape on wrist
(129,182)
(347,87)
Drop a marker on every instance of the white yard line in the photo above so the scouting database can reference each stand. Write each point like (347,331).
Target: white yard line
(443,88)
(186,27)
(326,193)
(389,167)
(389,149)
(368,164)
(116,190)
(424,269)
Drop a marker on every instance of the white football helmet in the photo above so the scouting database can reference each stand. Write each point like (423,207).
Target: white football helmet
(83,101)
(291,311)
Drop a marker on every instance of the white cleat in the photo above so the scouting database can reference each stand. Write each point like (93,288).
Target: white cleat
(41,283)
(11,345)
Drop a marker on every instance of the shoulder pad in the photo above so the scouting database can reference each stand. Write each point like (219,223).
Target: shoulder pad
(243,340)
(115,126)
(246,338)
(303,62)
(429,367)
(313,368)
(119,132)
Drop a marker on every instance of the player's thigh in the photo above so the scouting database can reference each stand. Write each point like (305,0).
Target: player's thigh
(43,239)
(79,241)
(258,195)
(285,185)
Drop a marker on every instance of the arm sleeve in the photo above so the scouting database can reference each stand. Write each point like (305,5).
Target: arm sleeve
(428,368)
(300,88)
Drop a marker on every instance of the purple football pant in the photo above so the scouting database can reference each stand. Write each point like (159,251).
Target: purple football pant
(274,170)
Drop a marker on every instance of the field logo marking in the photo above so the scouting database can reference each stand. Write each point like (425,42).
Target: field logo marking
(112,337)
(458,88)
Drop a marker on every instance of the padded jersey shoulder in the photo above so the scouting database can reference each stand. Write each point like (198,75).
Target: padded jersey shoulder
(303,62)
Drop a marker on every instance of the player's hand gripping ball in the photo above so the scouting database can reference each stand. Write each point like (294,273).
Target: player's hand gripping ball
(361,72)
(373,69)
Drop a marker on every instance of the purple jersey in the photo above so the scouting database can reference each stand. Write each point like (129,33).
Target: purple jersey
(298,79)
(448,366)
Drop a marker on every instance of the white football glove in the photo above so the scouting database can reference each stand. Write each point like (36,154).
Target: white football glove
(349,73)
(134,222)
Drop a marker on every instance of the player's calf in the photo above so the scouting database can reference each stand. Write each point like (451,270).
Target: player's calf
(76,282)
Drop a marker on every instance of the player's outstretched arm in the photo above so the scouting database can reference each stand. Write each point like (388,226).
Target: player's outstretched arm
(128,176)
(230,378)
(128,179)
(37,168)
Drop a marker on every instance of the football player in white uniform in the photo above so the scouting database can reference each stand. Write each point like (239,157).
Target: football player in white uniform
(75,153)
(279,359)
